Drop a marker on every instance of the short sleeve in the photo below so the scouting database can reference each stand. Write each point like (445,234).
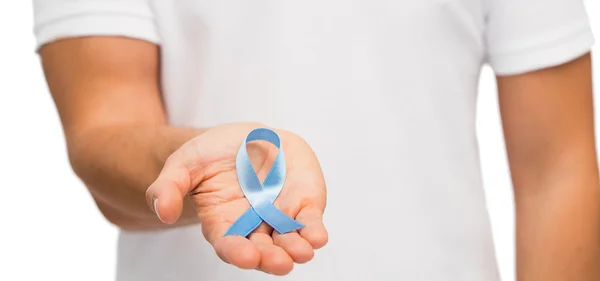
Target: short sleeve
(523,36)
(58,19)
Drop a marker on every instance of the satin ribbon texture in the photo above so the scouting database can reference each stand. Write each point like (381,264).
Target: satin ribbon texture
(261,195)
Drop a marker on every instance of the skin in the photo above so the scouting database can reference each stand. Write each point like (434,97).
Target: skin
(548,125)
(107,93)
(106,90)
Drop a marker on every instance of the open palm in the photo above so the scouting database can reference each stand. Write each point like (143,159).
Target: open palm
(205,168)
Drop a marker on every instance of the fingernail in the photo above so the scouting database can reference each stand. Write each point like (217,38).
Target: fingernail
(155,203)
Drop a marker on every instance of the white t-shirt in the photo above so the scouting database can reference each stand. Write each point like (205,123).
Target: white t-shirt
(383,90)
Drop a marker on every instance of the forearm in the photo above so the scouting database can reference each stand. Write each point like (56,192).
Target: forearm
(558,225)
(117,163)
(108,96)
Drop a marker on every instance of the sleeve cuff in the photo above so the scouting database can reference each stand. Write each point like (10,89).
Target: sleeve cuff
(95,18)
(556,50)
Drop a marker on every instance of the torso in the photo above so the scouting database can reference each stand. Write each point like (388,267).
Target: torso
(384,91)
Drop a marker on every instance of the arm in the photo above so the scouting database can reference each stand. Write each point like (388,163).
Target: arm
(547,117)
(120,145)
(107,95)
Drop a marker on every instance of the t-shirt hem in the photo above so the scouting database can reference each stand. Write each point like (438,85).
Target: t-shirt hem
(554,51)
(95,18)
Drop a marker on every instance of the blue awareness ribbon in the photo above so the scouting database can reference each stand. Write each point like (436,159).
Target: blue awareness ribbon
(261,196)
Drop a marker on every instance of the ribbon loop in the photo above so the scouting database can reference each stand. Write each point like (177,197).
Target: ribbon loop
(261,195)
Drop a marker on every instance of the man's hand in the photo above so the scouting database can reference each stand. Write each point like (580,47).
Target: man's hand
(205,169)
(107,93)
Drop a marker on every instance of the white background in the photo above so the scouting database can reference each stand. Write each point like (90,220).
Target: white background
(50,228)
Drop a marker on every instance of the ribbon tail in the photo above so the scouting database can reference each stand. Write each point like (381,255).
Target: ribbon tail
(277,219)
(245,224)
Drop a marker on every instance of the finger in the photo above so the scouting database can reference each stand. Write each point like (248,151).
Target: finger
(261,239)
(235,250)
(313,231)
(297,247)
(273,259)
(165,195)
(238,251)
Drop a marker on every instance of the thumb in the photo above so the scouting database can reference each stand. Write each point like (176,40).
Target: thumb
(165,195)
